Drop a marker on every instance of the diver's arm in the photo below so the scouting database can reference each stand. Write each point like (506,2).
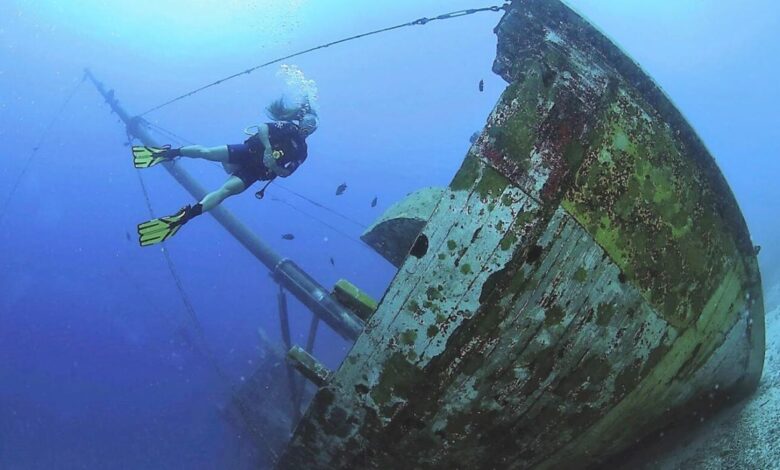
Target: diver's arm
(262,134)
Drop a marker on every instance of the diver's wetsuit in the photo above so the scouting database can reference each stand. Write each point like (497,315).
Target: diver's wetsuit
(284,137)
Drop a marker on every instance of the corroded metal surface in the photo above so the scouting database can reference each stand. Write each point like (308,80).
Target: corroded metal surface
(587,276)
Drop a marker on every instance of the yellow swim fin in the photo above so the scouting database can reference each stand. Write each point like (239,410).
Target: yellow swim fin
(158,230)
(145,157)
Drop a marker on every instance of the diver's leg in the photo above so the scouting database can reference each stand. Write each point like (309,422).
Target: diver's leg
(234,185)
(214,154)
(158,230)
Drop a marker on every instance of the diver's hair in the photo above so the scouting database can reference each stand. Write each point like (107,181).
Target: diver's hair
(279,111)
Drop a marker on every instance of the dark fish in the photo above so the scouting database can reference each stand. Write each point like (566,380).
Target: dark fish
(332,262)
(474,137)
(127,235)
(288,236)
(373,202)
(340,190)
(482,85)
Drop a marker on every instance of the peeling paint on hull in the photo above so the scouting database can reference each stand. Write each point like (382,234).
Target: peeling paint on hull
(587,276)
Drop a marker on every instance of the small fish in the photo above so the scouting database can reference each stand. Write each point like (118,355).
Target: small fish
(127,235)
(332,262)
(340,190)
(482,85)
(373,202)
(474,137)
(288,236)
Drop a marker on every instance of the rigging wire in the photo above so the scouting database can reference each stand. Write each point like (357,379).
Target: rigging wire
(169,133)
(335,229)
(321,206)
(193,316)
(207,353)
(420,21)
(41,140)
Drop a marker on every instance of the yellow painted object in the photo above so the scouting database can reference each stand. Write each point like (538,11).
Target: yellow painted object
(355,299)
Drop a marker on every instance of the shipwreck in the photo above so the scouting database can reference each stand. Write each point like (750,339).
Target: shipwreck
(586,277)
(585,280)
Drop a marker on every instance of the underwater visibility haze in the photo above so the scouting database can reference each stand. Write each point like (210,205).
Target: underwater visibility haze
(115,355)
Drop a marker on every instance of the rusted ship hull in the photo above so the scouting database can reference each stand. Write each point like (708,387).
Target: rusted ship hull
(587,276)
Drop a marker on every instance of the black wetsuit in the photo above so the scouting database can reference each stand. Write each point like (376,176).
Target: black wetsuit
(284,137)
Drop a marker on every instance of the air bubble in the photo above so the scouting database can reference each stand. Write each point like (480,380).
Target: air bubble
(298,90)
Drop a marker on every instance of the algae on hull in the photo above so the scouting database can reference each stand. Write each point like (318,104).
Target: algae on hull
(541,329)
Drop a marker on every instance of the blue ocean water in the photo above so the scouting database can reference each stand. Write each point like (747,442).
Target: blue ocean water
(94,370)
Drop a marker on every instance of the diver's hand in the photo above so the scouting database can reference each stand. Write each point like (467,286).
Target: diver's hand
(273,166)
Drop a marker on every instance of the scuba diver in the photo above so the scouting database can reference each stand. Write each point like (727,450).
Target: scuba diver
(277,148)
